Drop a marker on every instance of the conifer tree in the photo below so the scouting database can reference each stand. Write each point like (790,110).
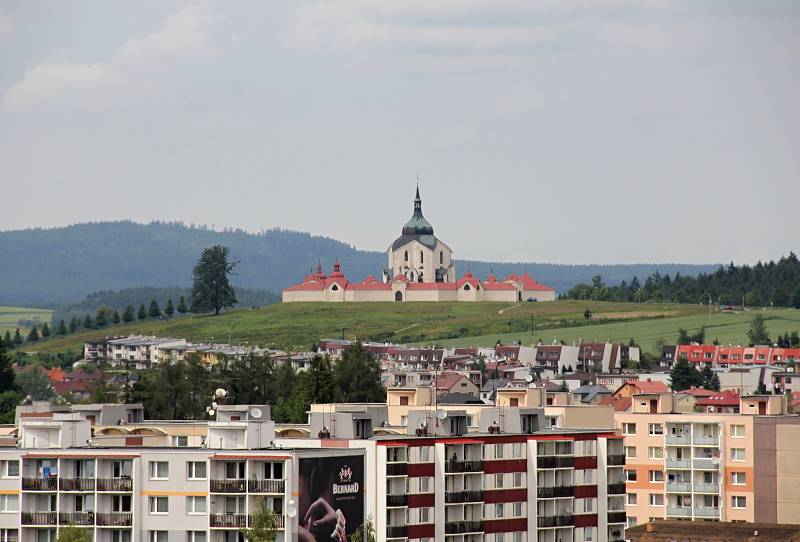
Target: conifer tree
(683,376)
(169,310)
(115,319)
(142,314)
(128,314)
(154,311)
(7,338)
(100,319)
(17,337)
(182,308)
(88,322)
(45,330)
(74,324)
(33,336)
(62,328)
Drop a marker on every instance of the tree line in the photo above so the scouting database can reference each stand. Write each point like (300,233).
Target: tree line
(764,284)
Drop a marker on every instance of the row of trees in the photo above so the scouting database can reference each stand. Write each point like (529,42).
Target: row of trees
(764,284)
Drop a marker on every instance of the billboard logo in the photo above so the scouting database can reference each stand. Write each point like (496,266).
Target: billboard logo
(345,485)
(345,474)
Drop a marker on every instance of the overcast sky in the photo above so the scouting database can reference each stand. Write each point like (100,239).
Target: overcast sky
(570,131)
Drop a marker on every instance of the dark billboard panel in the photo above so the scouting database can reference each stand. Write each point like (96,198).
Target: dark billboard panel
(331,499)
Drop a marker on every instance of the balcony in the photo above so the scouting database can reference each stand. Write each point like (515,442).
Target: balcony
(397,500)
(706,441)
(116,485)
(396,531)
(564,520)
(396,469)
(76,518)
(455,466)
(559,491)
(616,517)
(616,489)
(265,486)
(679,511)
(681,464)
(463,527)
(706,512)
(76,484)
(616,460)
(706,463)
(555,462)
(679,487)
(39,518)
(237,485)
(706,488)
(40,484)
(114,519)
(678,440)
(229,521)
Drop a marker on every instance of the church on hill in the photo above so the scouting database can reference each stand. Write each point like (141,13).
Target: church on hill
(420,267)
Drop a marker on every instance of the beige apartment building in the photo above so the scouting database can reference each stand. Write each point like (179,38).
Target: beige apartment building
(705,466)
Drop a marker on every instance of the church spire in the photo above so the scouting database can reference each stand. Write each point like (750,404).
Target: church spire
(417,203)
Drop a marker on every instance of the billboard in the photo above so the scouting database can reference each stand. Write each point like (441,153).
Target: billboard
(331,497)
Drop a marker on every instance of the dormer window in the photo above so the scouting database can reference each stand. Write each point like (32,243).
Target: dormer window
(466,287)
(334,287)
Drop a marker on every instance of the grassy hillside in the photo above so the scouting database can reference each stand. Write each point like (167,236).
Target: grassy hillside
(298,324)
(727,328)
(10,316)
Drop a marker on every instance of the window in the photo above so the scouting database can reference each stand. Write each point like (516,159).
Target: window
(180,440)
(498,480)
(738,454)
(631,522)
(424,515)
(587,506)
(195,536)
(441,257)
(8,535)
(517,449)
(737,430)
(517,509)
(425,454)
(656,499)
(656,475)
(738,478)
(195,505)
(738,501)
(196,470)
(630,475)
(498,451)
(631,499)
(404,400)
(9,469)
(498,510)
(655,452)
(628,428)
(9,503)
(120,535)
(158,536)
(424,484)
(159,470)
(630,452)
(158,505)
(656,429)
(517,479)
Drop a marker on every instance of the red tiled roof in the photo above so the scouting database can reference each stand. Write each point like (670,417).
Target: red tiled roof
(724,398)
(56,374)
(649,386)
(75,386)
(432,286)
(699,392)
(369,283)
(445,381)
(527,281)
(620,404)
(468,278)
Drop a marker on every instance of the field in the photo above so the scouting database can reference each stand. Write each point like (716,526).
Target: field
(297,325)
(9,316)
(728,328)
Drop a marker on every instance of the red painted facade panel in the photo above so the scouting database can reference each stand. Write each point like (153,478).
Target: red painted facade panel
(504,525)
(585,520)
(421,531)
(505,495)
(423,500)
(589,462)
(585,492)
(420,469)
(505,465)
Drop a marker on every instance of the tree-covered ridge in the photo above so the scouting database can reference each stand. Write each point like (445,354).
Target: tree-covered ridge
(764,284)
(48,267)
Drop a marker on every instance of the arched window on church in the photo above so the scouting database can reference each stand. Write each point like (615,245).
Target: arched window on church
(334,287)
(441,257)
(466,287)
(421,257)
(406,255)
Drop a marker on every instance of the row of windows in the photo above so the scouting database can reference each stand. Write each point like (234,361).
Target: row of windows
(198,470)
(737,478)
(657,452)
(657,499)
(657,429)
(194,505)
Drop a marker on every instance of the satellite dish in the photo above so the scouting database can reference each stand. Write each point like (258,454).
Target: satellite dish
(291,509)
(220,392)
(529,378)
(211,412)
(255,413)
(441,414)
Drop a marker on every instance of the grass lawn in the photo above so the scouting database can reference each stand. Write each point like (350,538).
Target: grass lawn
(728,328)
(297,325)
(9,316)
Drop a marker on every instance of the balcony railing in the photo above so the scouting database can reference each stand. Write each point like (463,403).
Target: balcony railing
(555,462)
(616,460)
(706,441)
(39,518)
(562,520)
(706,488)
(678,440)
(616,517)
(76,484)
(679,487)
(455,466)
(40,484)
(703,463)
(679,511)
(616,489)
(396,469)
(559,491)
(397,500)
(462,527)
(237,485)
(265,486)
(76,518)
(708,512)
(233,521)
(396,531)
(114,519)
(115,484)
(679,464)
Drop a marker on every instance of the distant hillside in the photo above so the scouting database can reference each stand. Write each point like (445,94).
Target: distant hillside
(48,267)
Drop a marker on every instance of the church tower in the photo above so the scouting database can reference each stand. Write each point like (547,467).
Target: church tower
(417,254)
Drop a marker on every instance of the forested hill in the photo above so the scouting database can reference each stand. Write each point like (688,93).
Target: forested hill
(47,267)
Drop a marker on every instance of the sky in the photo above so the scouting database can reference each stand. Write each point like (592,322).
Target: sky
(569,131)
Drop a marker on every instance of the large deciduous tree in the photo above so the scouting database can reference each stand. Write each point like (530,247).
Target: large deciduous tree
(211,288)
(758,333)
